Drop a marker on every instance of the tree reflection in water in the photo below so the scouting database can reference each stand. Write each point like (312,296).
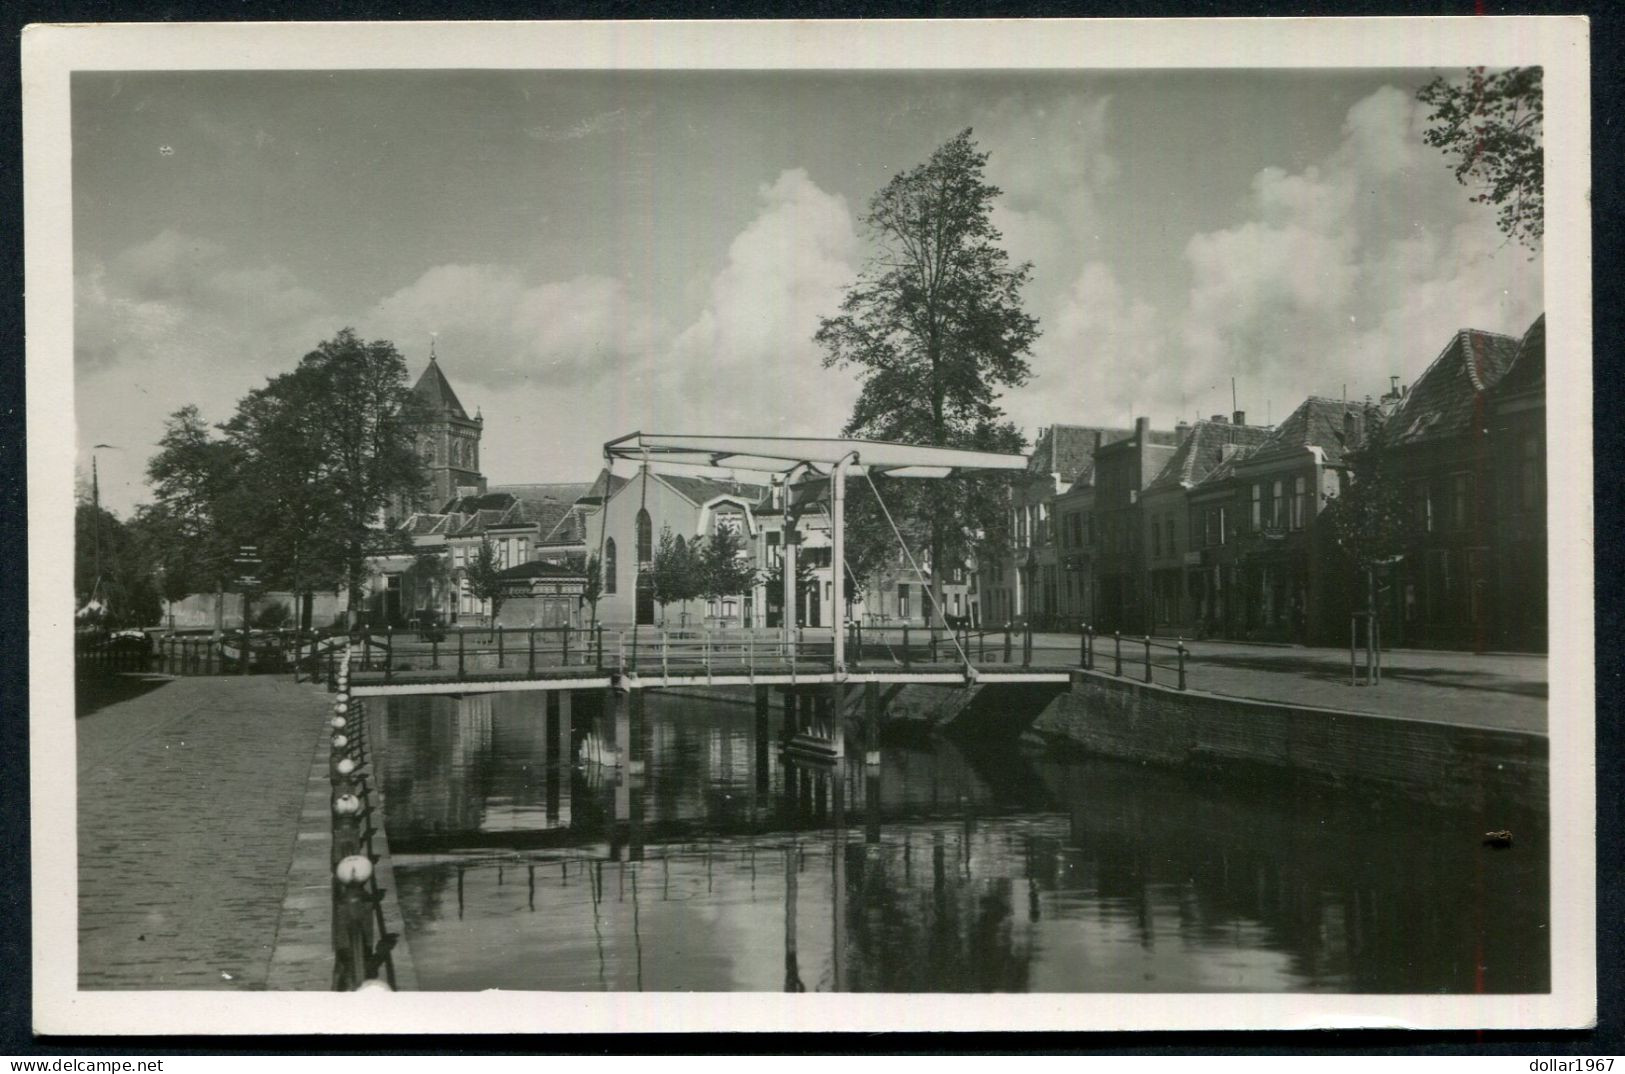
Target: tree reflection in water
(944,870)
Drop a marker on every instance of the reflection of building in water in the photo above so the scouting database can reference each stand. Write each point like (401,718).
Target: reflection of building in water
(432,757)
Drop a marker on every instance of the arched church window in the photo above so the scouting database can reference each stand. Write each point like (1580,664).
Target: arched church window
(646,540)
(609,565)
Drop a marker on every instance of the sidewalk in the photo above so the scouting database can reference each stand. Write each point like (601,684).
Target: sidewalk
(1505,691)
(189,795)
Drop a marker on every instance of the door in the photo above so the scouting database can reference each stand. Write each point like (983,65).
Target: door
(646,601)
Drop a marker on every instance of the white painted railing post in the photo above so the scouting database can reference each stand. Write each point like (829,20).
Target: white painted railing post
(665,646)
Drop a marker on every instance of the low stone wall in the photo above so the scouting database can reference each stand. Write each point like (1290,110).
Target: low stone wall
(1437,762)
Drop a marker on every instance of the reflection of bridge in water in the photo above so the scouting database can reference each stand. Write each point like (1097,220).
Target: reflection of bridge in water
(938,869)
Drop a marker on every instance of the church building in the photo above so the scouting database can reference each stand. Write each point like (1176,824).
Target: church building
(448,439)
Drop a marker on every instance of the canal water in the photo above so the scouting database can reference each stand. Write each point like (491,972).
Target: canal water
(950,868)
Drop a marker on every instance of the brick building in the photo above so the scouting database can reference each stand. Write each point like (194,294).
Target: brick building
(1123,469)
(1518,447)
(1439,446)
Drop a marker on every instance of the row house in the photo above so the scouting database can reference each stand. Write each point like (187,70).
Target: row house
(1038,581)
(1471,459)
(1174,533)
(1117,559)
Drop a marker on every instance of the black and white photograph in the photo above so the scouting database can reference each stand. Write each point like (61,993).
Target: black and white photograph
(1064,525)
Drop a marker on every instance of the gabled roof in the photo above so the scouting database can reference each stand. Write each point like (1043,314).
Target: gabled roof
(543,506)
(605,480)
(1528,370)
(435,391)
(1226,469)
(538,568)
(699,490)
(1202,450)
(424,523)
(1069,450)
(1440,403)
(1318,422)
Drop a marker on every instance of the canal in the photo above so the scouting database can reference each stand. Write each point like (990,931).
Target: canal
(953,867)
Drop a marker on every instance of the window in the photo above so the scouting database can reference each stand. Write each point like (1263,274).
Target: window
(1277,505)
(1222,521)
(1156,536)
(1421,507)
(609,566)
(1258,506)
(1168,532)
(1529,473)
(1461,500)
(902,600)
(646,540)
(1300,501)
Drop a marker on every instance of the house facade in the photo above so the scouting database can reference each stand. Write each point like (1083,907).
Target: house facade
(1518,445)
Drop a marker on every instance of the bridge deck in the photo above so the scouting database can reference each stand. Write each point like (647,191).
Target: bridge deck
(377,683)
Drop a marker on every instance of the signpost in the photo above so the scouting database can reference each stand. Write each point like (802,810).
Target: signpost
(247,564)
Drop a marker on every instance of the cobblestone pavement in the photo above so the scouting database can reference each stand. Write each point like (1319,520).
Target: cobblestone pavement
(189,799)
(1504,691)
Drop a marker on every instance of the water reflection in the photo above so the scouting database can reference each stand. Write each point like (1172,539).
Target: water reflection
(725,867)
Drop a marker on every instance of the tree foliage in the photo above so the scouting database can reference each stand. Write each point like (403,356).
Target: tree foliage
(676,571)
(935,329)
(594,588)
(484,575)
(1489,123)
(307,468)
(1369,521)
(724,568)
(114,562)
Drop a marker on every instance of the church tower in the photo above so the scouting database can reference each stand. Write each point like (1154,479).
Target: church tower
(448,439)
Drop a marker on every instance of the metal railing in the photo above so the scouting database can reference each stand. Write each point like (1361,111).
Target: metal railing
(363,946)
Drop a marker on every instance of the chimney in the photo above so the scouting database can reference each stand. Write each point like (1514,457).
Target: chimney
(1225,451)
(1182,429)
(1353,428)
(1239,417)
(1142,427)
(1220,419)
(1100,440)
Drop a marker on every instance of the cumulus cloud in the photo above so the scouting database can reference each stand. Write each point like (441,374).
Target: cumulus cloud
(1358,266)
(506,329)
(748,360)
(185,299)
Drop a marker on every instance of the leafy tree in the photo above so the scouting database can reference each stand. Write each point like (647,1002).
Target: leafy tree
(724,569)
(359,413)
(1369,522)
(1489,123)
(485,576)
(935,328)
(675,572)
(112,563)
(203,509)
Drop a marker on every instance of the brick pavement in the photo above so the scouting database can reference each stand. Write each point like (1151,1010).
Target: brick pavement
(1496,691)
(189,799)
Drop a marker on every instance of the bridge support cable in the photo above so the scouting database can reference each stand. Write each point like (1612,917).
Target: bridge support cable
(930,590)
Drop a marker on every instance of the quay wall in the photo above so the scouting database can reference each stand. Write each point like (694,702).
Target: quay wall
(1438,762)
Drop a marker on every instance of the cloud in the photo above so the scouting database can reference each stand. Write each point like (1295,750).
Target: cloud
(1358,265)
(1052,163)
(748,361)
(503,329)
(183,298)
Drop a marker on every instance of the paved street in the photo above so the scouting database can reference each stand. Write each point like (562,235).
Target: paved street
(189,795)
(1503,691)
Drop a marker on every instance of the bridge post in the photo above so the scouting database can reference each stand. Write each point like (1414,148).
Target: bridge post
(1027,643)
(635,726)
(565,741)
(763,700)
(620,724)
(530,667)
(1117,652)
(389,652)
(1148,658)
(1083,645)
(461,669)
(871,723)
(564,642)
(1007,641)
(933,629)
(598,630)
(499,648)
(434,651)
(907,660)
(1181,663)
(837,721)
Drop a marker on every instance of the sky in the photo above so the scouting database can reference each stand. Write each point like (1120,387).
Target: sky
(595,253)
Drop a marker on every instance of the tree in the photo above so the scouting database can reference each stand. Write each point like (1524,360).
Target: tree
(1489,123)
(485,576)
(1368,518)
(724,569)
(935,329)
(360,412)
(675,571)
(203,509)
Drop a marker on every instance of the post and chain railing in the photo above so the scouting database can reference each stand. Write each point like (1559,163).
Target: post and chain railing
(363,945)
